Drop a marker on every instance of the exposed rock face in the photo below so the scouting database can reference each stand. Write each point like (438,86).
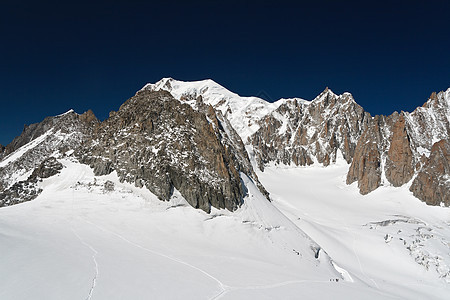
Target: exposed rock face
(88,117)
(67,123)
(366,164)
(2,150)
(400,140)
(399,160)
(302,132)
(382,148)
(429,123)
(48,168)
(432,184)
(108,186)
(27,190)
(40,141)
(158,142)
(403,141)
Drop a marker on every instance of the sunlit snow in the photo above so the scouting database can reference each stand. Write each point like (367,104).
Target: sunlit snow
(79,241)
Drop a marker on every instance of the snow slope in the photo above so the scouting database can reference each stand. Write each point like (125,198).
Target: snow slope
(79,241)
(388,239)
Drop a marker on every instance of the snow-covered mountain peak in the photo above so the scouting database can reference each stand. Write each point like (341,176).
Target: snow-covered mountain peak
(242,112)
(441,99)
(66,113)
(326,92)
(246,113)
(207,88)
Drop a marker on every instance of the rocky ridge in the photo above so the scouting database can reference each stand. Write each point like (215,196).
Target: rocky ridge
(27,190)
(153,141)
(156,141)
(381,150)
(396,149)
(193,137)
(29,155)
(303,133)
(52,137)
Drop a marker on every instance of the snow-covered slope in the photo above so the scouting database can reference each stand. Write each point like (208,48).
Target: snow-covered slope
(92,237)
(388,239)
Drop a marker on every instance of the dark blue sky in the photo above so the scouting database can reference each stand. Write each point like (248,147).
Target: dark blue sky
(56,56)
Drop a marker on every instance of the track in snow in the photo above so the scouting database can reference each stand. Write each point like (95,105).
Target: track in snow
(94,280)
(222,286)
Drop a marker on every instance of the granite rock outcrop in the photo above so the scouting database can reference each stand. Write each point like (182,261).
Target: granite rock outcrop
(432,183)
(160,143)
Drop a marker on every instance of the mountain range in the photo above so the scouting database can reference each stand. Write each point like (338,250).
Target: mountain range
(198,145)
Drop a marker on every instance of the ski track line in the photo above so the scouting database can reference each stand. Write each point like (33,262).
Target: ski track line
(280,284)
(222,286)
(357,257)
(94,280)
(265,287)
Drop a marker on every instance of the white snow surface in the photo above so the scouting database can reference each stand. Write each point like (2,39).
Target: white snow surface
(78,241)
(388,239)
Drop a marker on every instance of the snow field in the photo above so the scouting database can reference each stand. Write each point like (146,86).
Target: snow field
(78,241)
(388,256)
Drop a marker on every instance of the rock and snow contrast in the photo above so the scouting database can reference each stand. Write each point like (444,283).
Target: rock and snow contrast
(190,191)
(383,150)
